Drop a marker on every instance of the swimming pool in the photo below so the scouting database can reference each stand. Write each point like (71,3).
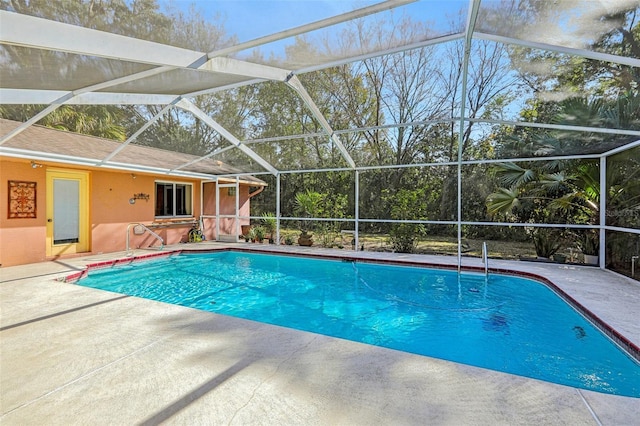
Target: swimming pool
(505,323)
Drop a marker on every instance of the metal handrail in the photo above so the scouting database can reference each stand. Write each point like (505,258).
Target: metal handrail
(485,258)
(158,237)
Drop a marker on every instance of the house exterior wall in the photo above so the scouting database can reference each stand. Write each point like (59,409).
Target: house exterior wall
(111,211)
(23,240)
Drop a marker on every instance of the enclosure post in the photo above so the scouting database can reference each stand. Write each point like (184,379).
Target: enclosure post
(278,208)
(459,197)
(603,211)
(357,209)
(217,194)
(474,6)
(237,218)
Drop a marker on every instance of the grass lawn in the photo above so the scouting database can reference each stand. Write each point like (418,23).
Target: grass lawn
(435,244)
(431,244)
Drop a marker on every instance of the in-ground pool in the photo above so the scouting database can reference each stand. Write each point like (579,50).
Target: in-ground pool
(505,323)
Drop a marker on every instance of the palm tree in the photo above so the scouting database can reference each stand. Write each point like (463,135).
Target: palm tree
(568,191)
(539,194)
(101,120)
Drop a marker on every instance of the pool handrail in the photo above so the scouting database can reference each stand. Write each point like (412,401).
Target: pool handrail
(485,259)
(158,237)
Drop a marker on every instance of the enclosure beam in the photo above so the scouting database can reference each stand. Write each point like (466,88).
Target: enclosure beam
(622,148)
(293,82)
(133,137)
(33,120)
(246,69)
(190,107)
(568,127)
(39,33)
(67,97)
(619,229)
(378,53)
(45,97)
(589,54)
(605,130)
(327,22)
(209,155)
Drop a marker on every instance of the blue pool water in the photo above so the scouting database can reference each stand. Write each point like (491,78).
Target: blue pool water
(508,324)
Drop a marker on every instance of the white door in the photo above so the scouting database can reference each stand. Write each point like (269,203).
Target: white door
(67,212)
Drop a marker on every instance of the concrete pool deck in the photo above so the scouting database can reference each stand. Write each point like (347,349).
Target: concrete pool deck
(75,355)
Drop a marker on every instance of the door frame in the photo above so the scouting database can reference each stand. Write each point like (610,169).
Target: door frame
(220,187)
(83,245)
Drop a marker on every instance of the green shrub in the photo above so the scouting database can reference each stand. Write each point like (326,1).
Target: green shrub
(404,236)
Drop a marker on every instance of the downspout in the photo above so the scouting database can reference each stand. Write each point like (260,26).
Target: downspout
(201,206)
(256,192)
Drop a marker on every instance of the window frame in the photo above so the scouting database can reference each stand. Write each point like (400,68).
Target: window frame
(188,199)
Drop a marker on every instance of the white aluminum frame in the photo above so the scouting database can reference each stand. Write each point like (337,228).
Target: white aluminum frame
(38,33)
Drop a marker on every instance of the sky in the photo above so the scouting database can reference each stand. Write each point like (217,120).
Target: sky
(250,19)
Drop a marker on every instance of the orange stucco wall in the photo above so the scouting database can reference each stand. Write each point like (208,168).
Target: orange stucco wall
(24,240)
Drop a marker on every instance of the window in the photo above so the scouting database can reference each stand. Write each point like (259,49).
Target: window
(173,199)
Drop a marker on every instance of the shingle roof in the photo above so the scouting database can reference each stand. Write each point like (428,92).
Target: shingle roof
(40,139)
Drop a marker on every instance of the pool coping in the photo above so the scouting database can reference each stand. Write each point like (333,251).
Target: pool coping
(629,347)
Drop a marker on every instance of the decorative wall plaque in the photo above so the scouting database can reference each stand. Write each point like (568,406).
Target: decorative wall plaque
(22,199)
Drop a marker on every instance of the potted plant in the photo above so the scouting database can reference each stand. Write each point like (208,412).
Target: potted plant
(269,223)
(259,234)
(308,204)
(546,242)
(251,235)
(246,232)
(560,258)
(305,239)
(589,245)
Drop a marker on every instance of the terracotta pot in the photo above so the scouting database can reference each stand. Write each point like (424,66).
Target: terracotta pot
(305,239)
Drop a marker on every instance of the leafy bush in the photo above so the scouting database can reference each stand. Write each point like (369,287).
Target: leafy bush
(589,242)
(309,204)
(407,205)
(546,241)
(404,236)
